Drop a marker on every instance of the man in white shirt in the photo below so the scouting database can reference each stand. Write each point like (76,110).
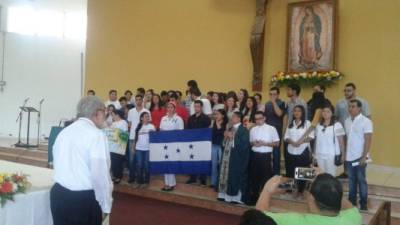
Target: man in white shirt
(359,134)
(263,138)
(196,95)
(134,120)
(113,99)
(83,187)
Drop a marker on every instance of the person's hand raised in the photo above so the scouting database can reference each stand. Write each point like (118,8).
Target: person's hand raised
(272,185)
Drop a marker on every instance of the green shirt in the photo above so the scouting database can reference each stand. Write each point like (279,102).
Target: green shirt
(346,217)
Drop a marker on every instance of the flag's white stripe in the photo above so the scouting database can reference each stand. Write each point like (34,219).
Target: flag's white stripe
(201,151)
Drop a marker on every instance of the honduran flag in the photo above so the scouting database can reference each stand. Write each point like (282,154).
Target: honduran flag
(181,152)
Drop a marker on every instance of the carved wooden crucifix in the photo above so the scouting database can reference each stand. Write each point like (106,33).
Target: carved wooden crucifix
(257,44)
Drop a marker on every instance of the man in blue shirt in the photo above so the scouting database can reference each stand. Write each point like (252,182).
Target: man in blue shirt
(275,110)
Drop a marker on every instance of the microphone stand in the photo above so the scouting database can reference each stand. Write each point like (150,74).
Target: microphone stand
(39,119)
(20,122)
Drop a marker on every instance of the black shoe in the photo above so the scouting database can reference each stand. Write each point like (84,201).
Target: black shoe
(220,199)
(203,183)
(131,181)
(364,208)
(117,181)
(343,176)
(190,181)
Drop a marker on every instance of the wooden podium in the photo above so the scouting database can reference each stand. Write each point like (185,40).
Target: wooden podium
(28,110)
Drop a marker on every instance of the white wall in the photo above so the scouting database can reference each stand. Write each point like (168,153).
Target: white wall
(40,67)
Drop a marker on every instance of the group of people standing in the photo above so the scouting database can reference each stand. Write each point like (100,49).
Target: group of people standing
(248,136)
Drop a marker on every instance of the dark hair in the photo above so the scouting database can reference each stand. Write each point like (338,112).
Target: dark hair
(221,98)
(112,91)
(259,95)
(128,92)
(160,104)
(195,91)
(303,117)
(327,192)
(351,85)
(123,98)
(91,91)
(295,87)
(275,89)
(139,126)
(111,106)
(141,90)
(139,96)
(259,113)
(163,93)
(120,113)
(151,91)
(172,94)
(192,84)
(199,102)
(253,110)
(231,94)
(179,93)
(223,113)
(211,93)
(333,119)
(256,217)
(244,100)
(358,102)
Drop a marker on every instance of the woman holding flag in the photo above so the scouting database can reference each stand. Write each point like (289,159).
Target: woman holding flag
(170,122)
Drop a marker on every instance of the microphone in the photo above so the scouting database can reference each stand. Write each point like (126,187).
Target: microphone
(25,101)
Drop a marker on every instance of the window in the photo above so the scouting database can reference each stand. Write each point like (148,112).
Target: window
(21,20)
(28,21)
(75,25)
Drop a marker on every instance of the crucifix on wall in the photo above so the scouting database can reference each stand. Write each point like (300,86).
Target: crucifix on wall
(257,44)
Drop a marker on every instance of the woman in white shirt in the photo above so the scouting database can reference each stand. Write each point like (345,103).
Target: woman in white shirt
(142,147)
(119,131)
(170,122)
(329,135)
(298,147)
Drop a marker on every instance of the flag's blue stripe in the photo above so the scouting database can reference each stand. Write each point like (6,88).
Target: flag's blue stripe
(181,136)
(181,167)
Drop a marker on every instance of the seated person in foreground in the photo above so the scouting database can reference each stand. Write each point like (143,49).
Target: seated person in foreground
(326,205)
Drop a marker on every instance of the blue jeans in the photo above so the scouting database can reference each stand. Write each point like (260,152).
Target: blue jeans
(142,166)
(357,180)
(131,162)
(215,161)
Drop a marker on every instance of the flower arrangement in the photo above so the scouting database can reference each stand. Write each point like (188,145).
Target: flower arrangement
(10,185)
(306,78)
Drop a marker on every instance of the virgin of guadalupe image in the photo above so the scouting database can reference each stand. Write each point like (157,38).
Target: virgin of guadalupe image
(310,33)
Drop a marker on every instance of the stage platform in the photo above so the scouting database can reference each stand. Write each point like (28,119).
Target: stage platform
(382,188)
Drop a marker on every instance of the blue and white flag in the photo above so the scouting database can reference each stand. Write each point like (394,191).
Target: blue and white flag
(180,152)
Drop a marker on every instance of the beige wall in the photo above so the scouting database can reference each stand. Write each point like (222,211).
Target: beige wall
(161,44)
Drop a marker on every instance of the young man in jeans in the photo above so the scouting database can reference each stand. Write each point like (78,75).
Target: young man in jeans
(359,134)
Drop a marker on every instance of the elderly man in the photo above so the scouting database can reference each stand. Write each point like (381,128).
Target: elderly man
(83,187)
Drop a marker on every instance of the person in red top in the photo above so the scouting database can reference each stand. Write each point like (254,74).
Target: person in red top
(180,109)
(157,110)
